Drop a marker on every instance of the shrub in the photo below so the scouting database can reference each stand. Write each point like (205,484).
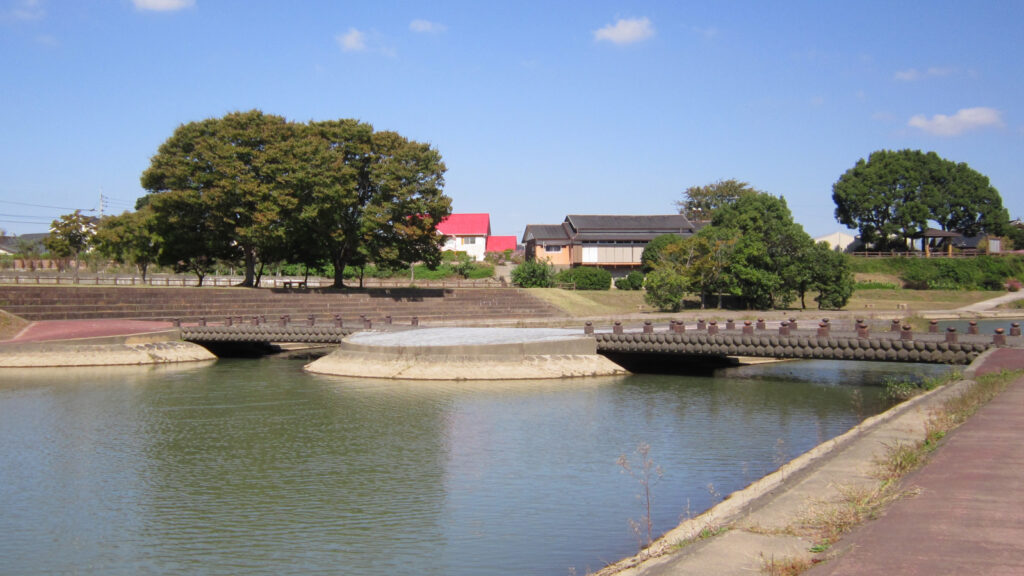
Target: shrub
(875,286)
(1013,285)
(632,281)
(533,274)
(586,278)
(665,290)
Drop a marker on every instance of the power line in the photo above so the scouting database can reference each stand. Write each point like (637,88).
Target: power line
(45,206)
(25,222)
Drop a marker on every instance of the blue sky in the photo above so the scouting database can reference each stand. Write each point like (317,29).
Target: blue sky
(540,109)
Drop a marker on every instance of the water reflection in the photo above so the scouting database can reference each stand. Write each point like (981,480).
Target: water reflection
(254,466)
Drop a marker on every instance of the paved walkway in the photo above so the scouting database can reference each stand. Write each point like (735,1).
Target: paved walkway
(73,329)
(969,516)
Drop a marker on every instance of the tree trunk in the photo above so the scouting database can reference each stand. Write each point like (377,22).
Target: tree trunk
(339,273)
(259,275)
(249,256)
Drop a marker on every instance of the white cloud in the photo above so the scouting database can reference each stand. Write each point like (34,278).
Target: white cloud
(27,10)
(163,5)
(963,121)
(352,41)
(426,26)
(913,74)
(625,31)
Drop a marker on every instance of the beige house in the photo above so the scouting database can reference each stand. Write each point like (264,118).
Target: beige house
(607,241)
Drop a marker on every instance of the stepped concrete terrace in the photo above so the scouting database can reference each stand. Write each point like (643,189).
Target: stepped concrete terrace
(190,305)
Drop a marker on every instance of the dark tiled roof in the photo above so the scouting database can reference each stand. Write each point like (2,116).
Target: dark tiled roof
(545,232)
(10,243)
(660,223)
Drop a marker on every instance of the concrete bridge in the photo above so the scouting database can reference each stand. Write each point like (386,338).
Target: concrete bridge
(706,343)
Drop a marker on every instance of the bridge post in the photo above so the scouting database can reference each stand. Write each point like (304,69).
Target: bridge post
(701,325)
(894,326)
(617,327)
(862,329)
(823,329)
(761,324)
(747,327)
(387,319)
(415,321)
(257,320)
(202,321)
(338,321)
(176,322)
(933,327)
(951,335)
(792,324)
(999,338)
(713,327)
(648,327)
(312,319)
(284,319)
(906,333)
(679,327)
(1015,329)
(730,324)
(227,321)
(367,323)
(972,327)
(784,328)
(588,328)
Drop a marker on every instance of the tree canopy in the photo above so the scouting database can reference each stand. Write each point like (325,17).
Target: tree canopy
(753,251)
(699,203)
(70,236)
(893,196)
(258,188)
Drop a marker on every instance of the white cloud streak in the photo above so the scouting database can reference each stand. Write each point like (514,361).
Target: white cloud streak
(27,10)
(352,41)
(625,31)
(163,5)
(913,74)
(964,120)
(427,27)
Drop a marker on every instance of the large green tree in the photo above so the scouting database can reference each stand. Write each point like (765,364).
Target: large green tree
(699,203)
(261,189)
(769,259)
(230,164)
(365,196)
(893,196)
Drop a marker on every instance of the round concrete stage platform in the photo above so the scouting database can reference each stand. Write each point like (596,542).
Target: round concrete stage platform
(467,354)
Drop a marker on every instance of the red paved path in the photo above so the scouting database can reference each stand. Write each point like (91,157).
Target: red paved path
(969,516)
(68,329)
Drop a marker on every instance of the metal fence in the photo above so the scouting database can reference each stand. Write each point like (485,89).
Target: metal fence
(286,282)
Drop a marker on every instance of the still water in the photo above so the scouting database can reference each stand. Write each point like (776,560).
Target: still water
(254,467)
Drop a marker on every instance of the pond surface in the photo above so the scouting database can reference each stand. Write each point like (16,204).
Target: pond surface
(255,467)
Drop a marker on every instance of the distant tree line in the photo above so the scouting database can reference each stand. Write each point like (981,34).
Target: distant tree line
(256,189)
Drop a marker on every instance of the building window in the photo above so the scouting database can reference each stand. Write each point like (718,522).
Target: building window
(469,240)
(552,248)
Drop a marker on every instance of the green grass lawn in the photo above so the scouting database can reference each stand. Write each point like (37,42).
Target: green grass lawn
(582,303)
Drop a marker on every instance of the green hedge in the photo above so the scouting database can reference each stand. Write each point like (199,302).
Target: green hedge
(632,281)
(977,273)
(586,278)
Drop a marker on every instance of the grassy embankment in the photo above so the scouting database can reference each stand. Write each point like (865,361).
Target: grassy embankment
(903,285)
(590,303)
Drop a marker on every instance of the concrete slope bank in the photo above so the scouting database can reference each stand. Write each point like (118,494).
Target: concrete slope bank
(761,520)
